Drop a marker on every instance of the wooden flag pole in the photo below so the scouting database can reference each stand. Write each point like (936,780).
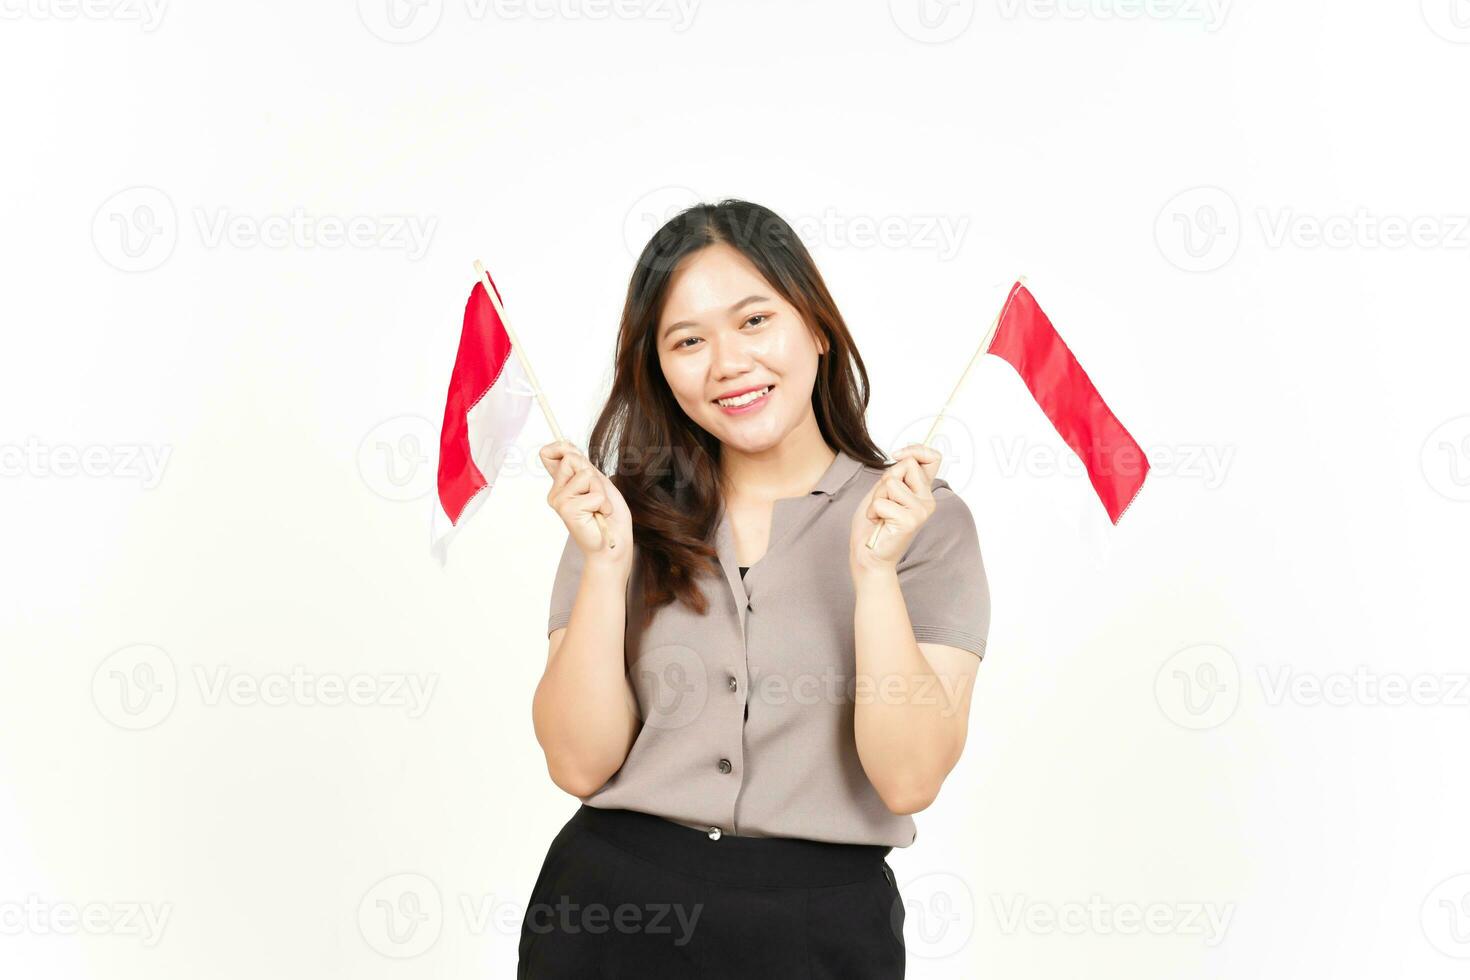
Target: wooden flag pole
(520,352)
(979,353)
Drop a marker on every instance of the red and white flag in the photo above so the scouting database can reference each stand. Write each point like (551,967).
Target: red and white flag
(488,401)
(1026,340)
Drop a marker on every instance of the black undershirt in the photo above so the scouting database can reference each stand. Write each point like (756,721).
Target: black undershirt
(743,570)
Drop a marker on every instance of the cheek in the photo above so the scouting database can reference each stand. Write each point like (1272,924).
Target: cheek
(790,352)
(685,379)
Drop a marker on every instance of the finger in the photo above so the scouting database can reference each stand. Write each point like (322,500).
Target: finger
(553,452)
(606,488)
(586,506)
(920,452)
(574,484)
(905,473)
(890,511)
(902,491)
(926,458)
(926,453)
(878,492)
(883,489)
(553,455)
(571,464)
(553,449)
(561,474)
(918,480)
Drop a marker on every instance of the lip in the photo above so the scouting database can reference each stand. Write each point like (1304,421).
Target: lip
(753,406)
(741,391)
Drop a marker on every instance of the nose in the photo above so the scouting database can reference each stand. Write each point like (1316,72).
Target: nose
(731,356)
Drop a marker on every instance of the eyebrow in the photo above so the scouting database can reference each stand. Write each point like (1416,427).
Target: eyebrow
(733,309)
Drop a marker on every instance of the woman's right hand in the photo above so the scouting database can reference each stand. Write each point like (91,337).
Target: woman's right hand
(579,491)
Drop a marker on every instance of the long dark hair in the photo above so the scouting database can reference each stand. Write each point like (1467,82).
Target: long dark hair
(663,463)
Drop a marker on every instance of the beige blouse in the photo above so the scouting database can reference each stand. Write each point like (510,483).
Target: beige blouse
(748,710)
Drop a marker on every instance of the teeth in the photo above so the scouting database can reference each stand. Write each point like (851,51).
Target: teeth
(744,399)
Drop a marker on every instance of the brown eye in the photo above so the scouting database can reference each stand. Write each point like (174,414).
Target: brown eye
(758,316)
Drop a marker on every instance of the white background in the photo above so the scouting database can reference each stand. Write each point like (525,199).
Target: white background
(1246,700)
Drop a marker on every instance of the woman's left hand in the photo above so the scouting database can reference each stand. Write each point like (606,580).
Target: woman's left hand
(901,501)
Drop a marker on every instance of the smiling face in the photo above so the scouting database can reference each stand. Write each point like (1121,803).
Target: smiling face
(725,331)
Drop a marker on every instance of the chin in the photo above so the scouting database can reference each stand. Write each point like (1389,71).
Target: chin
(750,442)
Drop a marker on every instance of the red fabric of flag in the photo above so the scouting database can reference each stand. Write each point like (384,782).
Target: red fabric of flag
(486,406)
(1027,340)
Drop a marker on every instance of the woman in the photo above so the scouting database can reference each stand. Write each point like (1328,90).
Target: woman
(748,700)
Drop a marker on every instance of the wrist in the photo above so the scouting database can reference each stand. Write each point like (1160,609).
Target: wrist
(610,565)
(868,578)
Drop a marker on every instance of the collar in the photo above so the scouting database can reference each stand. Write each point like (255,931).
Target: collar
(843,468)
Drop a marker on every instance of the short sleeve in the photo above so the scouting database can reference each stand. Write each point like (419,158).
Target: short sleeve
(942,578)
(564,587)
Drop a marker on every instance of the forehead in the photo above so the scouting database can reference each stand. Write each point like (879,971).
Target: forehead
(708,281)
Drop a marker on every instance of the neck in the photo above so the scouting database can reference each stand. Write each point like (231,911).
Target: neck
(791,468)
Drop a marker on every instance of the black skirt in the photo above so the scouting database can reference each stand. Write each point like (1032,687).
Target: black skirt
(624,895)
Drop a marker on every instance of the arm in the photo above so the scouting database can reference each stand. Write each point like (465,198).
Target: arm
(921,617)
(584,710)
(912,708)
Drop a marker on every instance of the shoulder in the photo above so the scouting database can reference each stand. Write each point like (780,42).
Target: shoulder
(951,525)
